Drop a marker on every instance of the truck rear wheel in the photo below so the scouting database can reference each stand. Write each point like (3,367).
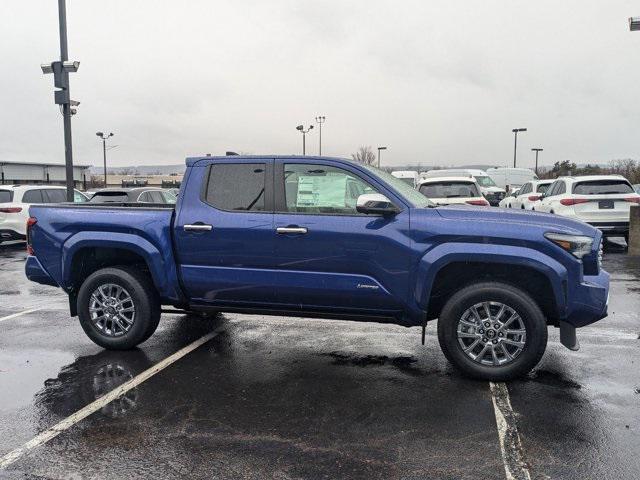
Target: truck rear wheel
(118,307)
(492,331)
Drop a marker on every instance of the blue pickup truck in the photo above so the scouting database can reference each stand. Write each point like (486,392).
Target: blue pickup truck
(324,238)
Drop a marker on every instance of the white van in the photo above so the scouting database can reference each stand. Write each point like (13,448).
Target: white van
(410,177)
(489,189)
(513,177)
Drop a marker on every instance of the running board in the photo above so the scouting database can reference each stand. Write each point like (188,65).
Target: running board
(568,336)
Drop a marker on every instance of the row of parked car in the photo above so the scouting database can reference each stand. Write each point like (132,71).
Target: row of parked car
(15,201)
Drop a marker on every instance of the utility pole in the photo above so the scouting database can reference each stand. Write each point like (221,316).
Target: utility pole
(379,149)
(536,150)
(515,145)
(320,120)
(304,132)
(104,152)
(61,70)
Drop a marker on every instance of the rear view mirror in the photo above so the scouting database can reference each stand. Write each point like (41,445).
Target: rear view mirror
(375,204)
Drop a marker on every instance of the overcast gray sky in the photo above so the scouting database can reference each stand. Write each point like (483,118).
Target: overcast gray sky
(437,82)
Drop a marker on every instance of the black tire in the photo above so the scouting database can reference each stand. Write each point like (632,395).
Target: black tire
(145,300)
(531,315)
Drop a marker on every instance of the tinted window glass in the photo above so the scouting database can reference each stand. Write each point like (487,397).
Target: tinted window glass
(449,190)
(156,196)
(237,186)
(169,197)
(601,187)
(562,188)
(322,189)
(32,196)
(6,196)
(543,188)
(54,195)
(102,197)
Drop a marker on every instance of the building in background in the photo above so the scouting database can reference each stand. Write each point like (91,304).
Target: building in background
(20,173)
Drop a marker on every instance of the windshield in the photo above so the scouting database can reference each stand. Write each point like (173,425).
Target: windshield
(449,190)
(410,194)
(601,187)
(484,181)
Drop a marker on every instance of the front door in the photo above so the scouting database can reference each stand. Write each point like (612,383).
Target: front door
(224,234)
(328,256)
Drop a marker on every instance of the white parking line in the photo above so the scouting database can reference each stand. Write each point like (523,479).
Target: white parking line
(68,422)
(510,445)
(24,312)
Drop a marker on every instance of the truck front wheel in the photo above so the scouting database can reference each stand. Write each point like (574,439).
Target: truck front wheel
(118,307)
(492,331)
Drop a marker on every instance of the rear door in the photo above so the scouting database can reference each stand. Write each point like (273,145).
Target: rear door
(224,233)
(329,256)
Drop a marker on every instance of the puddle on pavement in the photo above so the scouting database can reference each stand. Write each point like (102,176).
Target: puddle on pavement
(552,379)
(405,364)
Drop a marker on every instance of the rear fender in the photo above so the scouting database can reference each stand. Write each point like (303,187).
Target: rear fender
(163,271)
(447,253)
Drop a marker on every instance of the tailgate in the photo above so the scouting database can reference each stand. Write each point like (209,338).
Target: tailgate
(603,208)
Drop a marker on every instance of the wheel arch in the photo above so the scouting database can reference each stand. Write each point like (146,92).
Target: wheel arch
(452,266)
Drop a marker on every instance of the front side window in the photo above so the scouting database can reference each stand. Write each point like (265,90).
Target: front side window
(449,190)
(543,188)
(602,187)
(78,197)
(561,188)
(322,189)
(526,188)
(169,197)
(484,181)
(54,195)
(237,186)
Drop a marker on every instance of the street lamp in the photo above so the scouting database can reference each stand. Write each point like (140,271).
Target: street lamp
(320,120)
(104,137)
(515,145)
(379,149)
(537,150)
(634,24)
(62,97)
(304,132)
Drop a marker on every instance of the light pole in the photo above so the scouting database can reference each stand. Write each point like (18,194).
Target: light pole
(379,149)
(537,150)
(304,132)
(104,137)
(320,120)
(61,70)
(515,144)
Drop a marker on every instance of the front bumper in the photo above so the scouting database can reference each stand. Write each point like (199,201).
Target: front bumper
(36,272)
(589,300)
(611,228)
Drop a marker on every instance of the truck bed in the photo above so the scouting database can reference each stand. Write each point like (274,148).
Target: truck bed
(64,230)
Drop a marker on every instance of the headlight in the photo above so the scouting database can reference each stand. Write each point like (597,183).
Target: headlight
(576,245)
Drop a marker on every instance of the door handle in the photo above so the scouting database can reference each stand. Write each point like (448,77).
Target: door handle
(197,227)
(291,230)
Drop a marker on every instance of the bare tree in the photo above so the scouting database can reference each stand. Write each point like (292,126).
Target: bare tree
(364,155)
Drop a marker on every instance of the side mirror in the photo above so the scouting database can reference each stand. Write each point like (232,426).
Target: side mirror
(375,204)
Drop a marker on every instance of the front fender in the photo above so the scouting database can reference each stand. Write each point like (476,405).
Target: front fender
(437,258)
(163,270)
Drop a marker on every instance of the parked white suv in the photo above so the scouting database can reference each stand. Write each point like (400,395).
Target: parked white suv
(15,201)
(452,190)
(530,194)
(488,188)
(602,201)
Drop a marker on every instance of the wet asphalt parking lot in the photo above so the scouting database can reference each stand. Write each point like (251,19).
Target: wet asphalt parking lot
(283,398)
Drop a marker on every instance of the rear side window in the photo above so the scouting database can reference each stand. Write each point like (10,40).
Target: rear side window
(156,197)
(32,196)
(449,190)
(6,196)
(54,195)
(602,187)
(102,197)
(237,186)
(526,188)
(543,188)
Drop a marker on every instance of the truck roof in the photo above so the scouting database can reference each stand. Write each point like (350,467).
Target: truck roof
(190,161)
